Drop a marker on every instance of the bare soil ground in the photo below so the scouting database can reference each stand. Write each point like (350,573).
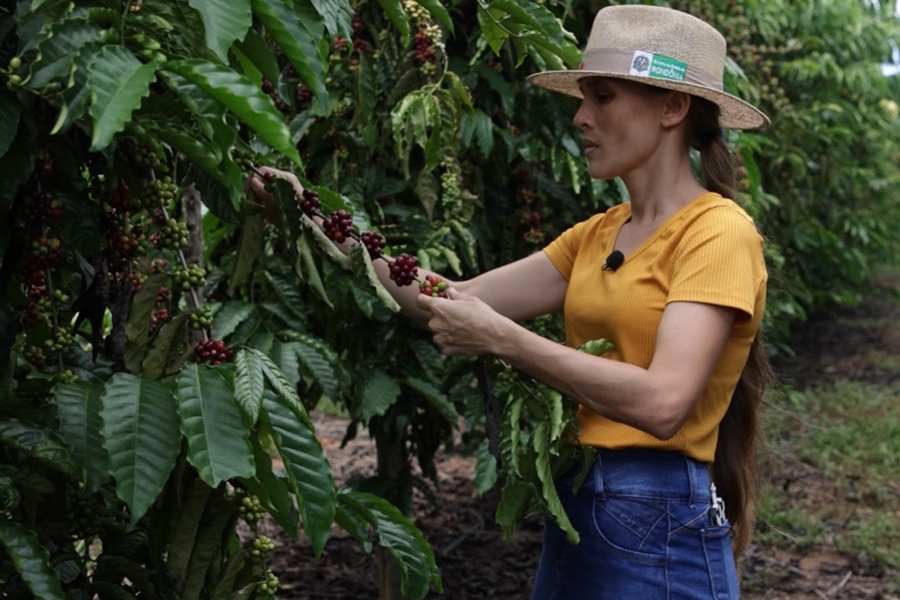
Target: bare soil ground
(475,562)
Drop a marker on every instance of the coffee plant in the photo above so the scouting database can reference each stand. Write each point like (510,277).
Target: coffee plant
(154,357)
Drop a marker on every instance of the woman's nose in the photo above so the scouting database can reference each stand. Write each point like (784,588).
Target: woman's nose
(582,117)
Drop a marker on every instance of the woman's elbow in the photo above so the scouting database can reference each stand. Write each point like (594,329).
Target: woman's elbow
(670,413)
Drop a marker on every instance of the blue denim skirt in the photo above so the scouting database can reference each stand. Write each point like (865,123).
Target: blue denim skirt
(643,518)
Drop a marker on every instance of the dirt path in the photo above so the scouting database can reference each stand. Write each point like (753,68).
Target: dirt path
(858,345)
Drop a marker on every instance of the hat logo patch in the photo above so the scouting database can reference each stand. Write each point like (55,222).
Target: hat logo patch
(657,66)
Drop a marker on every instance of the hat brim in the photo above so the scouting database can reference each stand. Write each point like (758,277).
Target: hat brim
(735,113)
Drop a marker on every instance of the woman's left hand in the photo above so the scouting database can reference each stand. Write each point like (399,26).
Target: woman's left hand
(464,324)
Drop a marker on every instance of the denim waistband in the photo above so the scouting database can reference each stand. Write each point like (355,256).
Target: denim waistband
(648,474)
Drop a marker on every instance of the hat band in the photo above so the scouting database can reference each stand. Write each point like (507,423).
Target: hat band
(639,63)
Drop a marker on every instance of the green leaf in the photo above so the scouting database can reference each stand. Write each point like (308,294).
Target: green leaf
(435,397)
(377,393)
(400,537)
(258,52)
(249,250)
(297,38)
(184,530)
(10,110)
(39,444)
(168,352)
(484,132)
(364,273)
(306,466)
(439,12)
(485,469)
(118,82)
(307,270)
(31,560)
(218,523)
(58,50)
(140,426)
(283,387)
(218,437)
(249,384)
(337,16)
(395,12)
(78,405)
(428,192)
(514,500)
(492,32)
(229,317)
(287,293)
(196,149)
(137,331)
(76,96)
(510,431)
(353,525)
(224,21)
(274,492)
(312,354)
(242,98)
(548,488)
(597,347)
(285,359)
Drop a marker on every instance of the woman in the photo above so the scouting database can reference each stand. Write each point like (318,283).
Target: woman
(676,279)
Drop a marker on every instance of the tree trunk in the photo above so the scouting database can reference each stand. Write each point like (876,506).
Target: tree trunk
(191,207)
(393,467)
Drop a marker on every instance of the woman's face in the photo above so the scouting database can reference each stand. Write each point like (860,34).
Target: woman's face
(621,123)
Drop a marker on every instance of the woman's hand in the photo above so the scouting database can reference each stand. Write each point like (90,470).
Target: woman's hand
(464,324)
(271,205)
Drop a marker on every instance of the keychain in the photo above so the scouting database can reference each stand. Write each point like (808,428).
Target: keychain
(717,509)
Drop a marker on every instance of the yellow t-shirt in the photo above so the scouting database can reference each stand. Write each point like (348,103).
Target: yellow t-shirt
(709,251)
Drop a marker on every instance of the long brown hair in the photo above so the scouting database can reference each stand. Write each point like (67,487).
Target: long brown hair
(734,468)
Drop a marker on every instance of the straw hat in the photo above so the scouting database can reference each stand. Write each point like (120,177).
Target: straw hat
(661,47)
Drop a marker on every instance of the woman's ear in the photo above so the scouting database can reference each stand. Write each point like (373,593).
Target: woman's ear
(675,108)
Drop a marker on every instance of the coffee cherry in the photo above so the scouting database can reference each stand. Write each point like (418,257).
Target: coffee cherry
(311,204)
(174,235)
(270,587)
(262,547)
(404,269)
(15,63)
(201,318)
(193,276)
(62,341)
(434,286)
(211,351)
(339,226)
(374,243)
(35,356)
(251,510)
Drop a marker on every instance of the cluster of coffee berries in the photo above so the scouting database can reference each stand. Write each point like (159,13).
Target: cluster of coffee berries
(46,252)
(174,235)
(37,294)
(159,265)
(270,587)
(451,181)
(338,226)
(304,95)
(741,173)
(158,317)
(374,243)
(311,205)
(262,547)
(272,93)
(159,192)
(137,280)
(42,207)
(83,515)
(61,341)
(212,351)
(146,155)
(68,376)
(128,242)
(428,41)
(201,318)
(192,276)
(251,510)
(35,356)
(434,286)
(404,269)
(15,80)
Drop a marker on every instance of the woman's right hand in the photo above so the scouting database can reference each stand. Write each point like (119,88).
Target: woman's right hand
(271,205)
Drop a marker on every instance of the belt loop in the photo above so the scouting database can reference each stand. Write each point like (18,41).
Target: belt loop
(691,479)
(597,470)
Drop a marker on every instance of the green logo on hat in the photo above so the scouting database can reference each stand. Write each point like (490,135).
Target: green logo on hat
(660,67)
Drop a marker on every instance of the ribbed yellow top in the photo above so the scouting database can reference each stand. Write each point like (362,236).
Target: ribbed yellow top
(709,251)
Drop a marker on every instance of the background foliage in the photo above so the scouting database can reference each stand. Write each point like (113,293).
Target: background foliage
(119,119)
